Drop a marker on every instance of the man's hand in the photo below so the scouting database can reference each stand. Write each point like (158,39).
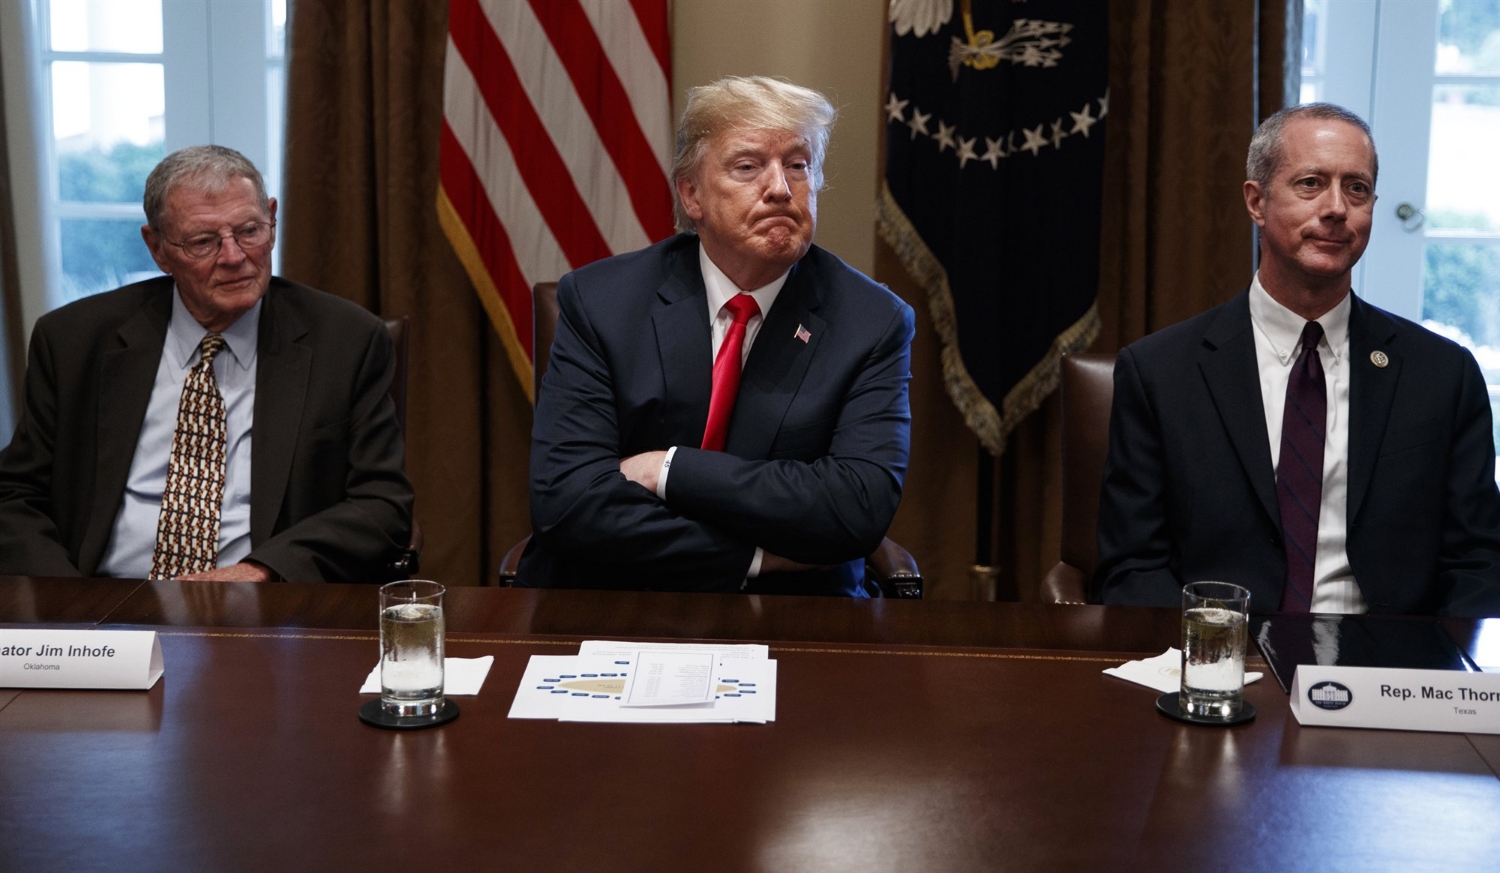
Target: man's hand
(643,469)
(245,571)
(770,563)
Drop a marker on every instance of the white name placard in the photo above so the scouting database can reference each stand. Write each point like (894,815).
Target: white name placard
(1403,700)
(33,658)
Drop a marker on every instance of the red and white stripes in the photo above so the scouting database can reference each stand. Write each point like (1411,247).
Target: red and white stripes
(556,144)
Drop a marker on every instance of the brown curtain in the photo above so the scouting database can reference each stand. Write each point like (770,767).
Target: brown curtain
(1189,81)
(12,347)
(364,112)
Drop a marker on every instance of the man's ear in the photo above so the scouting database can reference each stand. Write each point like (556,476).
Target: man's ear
(1255,202)
(687,192)
(157,245)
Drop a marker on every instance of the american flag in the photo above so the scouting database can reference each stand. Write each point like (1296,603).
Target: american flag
(556,144)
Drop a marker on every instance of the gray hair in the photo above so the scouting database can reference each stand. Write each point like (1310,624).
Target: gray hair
(749,103)
(1267,151)
(204,167)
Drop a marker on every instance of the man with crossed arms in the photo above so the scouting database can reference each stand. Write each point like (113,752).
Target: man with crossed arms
(1326,455)
(725,410)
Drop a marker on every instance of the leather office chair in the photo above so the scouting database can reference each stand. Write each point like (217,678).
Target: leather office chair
(409,562)
(1088,390)
(890,571)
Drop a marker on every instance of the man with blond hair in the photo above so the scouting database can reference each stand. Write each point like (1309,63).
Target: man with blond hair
(725,410)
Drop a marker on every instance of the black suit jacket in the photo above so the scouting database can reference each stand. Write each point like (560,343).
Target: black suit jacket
(1189,492)
(817,446)
(328,498)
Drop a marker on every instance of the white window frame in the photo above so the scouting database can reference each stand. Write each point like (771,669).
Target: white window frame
(205,57)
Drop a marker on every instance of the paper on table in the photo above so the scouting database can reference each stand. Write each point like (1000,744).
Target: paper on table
(671,678)
(616,649)
(747,695)
(462,677)
(1163,672)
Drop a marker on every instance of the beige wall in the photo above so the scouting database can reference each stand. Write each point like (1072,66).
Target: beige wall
(830,45)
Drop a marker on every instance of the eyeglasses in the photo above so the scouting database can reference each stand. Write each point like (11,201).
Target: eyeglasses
(247,237)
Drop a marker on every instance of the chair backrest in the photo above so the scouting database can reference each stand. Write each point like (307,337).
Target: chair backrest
(543,329)
(1088,390)
(397,328)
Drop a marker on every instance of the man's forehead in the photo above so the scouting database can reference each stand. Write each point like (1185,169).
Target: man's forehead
(740,140)
(1321,145)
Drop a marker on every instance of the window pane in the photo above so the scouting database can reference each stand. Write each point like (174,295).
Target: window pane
(100,253)
(1469,37)
(106,112)
(1459,301)
(1463,177)
(276,38)
(1312,42)
(105,25)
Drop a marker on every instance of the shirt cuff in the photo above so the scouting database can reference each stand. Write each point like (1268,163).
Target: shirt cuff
(661,481)
(755,563)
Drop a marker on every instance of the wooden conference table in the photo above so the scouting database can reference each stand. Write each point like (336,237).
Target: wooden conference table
(909,736)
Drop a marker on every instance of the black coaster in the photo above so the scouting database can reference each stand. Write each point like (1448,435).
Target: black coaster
(372,714)
(1167,706)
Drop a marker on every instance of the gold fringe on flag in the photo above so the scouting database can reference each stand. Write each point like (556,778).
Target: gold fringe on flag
(992,426)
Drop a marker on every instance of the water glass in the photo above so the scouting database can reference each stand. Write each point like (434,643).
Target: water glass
(1214,634)
(411,648)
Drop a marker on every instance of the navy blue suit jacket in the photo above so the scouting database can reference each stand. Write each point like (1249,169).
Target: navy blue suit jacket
(817,446)
(1189,493)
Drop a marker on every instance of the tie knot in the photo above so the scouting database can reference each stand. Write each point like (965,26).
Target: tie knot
(1311,333)
(210,346)
(742,307)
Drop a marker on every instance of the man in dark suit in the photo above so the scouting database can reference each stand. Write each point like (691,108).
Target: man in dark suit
(1326,455)
(214,424)
(725,410)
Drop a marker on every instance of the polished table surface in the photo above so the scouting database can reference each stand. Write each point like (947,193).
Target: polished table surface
(909,736)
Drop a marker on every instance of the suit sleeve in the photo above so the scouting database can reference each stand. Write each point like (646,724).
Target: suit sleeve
(30,543)
(1469,565)
(830,510)
(581,502)
(1135,543)
(354,538)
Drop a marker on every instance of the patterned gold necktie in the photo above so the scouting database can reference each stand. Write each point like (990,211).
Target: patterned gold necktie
(187,535)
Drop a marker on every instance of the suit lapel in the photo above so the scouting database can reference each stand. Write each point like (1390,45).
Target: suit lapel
(1228,366)
(1371,391)
(283,363)
(125,383)
(778,361)
(685,346)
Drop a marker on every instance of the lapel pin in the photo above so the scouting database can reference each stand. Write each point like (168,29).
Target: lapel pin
(804,335)
(1379,359)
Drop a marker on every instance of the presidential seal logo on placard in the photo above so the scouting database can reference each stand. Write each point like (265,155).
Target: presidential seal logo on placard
(1330,695)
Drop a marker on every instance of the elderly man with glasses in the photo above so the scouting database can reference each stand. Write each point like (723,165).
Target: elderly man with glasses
(213,424)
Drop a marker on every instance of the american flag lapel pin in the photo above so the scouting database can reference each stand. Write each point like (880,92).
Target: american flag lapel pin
(802,334)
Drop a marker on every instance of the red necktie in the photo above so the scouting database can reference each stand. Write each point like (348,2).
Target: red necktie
(727,372)
(1299,471)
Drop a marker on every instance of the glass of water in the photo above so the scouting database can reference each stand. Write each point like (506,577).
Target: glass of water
(1214,634)
(411,648)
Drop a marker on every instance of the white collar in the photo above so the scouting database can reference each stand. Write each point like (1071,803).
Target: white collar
(1282,327)
(721,288)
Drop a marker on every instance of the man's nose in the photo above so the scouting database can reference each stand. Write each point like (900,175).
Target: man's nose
(1336,203)
(777,187)
(230,251)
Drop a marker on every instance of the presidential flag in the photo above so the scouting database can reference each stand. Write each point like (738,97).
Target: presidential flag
(556,144)
(994,160)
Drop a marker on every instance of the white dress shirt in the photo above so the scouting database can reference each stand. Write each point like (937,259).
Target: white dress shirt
(133,539)
(720,289)
(1278,335)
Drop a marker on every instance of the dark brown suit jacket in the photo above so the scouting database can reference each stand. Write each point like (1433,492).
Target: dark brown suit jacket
(329,500)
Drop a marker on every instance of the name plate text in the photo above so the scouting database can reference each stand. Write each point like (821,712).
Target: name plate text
(40,658)
(1403,700)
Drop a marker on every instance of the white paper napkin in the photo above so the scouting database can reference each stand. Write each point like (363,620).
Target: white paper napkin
(1163,672)
(462,677)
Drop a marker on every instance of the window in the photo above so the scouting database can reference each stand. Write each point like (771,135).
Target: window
(123,83)
(1426,74)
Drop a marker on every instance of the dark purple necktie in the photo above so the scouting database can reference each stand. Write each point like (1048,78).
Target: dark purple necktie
(1299,473)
